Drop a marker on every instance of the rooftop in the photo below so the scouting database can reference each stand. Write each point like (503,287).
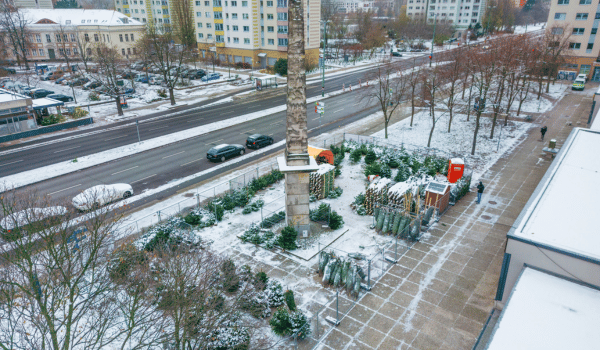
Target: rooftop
(79,17)
(562,211)
(548,312)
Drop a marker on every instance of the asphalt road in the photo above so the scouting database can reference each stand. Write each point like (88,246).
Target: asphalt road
(31,155)
(159,166)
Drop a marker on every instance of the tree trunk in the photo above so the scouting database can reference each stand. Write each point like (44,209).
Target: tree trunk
(432,113)
(469,106)
(497,108)
(171,96)
(540,84)
(412,106)
(548,86)
(475,133)
(119,108)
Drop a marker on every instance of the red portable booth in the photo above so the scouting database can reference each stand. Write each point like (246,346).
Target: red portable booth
(456,168)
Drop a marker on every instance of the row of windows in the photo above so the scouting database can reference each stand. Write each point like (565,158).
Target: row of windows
(135,2)
(59,38)
(234,3)
(581,2)
(235,28)
(281,16)
(582,16)
(220,39)
(577,46)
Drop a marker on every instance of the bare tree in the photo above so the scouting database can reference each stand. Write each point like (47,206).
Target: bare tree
(413,83)
(389,88)
(553,46)
(431,83)
(110,63)
(16,26)
(84,47)
(451,74)
(157,44)
(66,43)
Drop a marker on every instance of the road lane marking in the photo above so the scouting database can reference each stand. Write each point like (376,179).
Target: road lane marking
(114,138)
(250,130)
(67,149)
(193,161)
(16,161)
(341,109)
(212,143)
(118,172)
(194,120)
(64,189)
(162,127)
(173,155)
(147,177)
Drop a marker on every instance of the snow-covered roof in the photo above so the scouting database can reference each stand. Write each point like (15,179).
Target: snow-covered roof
(562,211)
(550,313)
(457,161)
(596,122)
(79,17)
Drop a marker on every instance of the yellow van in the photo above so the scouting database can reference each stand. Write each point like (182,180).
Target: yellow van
(578,84)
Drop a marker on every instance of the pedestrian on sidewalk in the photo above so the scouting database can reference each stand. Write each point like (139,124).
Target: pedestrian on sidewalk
(543,131)
(480,189)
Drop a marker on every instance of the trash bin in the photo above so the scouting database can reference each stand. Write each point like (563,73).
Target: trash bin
(552,144)
(456,168)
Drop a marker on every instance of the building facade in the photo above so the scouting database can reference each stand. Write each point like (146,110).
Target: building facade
(16,113)
(54,34)
(34,4)
(145,11)
(579,19)
(460,13)
(350,6)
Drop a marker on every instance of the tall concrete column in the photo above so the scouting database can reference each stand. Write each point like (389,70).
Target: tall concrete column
(297,163)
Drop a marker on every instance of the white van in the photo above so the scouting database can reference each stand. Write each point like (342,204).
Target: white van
(582,76)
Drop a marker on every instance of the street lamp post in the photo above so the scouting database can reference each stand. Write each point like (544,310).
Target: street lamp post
(433,39)
(324,53)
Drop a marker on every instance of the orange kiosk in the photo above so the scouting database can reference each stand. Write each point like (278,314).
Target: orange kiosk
(456,168)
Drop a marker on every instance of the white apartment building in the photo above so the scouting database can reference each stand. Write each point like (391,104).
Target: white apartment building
(145,11)
(34,4)
(350,6)
(252,31)
(460,13)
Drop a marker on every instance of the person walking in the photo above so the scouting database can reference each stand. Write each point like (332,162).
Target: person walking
(480,189)
(543,131)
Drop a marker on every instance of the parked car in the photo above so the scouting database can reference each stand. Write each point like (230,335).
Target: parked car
(13,226)
(396,54)
(257,141)
(79,81)
(224,151)
(128,75)
(39,93)
(582,76)
(196,74)
(62,79)
(100,195)
(578,84)
(61,97)
(92,85)
(211,76)
(51,75)
(137,66)
(7,70)
(156,80)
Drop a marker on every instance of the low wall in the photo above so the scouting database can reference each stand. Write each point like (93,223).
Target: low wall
(46,129)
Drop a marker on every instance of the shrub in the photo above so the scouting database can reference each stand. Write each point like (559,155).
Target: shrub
(255,302)
(287,239)
(280,67)
(162,93)
(356,155)
(289,300)
(79,113)
(300,325)
(261,279)
(335,220)
(280,322)
(393,163)
(373,169)
(217,209)
(335,193)
(124,261)
(252,235)
(272,220)
(274,293)
(403,173)
(230,281)
(50,120)
(370,157)
(93,96)
(247,210)
(321,213)
(359,199)
(193,219)
(312,198)
(363,149)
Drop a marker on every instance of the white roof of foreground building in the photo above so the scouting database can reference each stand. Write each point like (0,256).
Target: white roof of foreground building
(549,313)
(563,211)
(79,17)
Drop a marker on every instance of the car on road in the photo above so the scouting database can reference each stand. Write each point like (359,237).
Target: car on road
(210,76)
(39,93)
(396,54)
(14,225)
(78,82)
(51,75)
(61,79)
(196,74)
(90,85)
(578,84)
(224,151)
(582,76)
(156,80)
(97,196)
(61,97)
(257,141)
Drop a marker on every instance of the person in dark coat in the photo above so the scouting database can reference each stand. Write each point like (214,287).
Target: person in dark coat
(480,189)
(543,131)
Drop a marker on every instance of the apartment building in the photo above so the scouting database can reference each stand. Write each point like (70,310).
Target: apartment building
(350,6)
(34,4)
(579,19)
(252,31)
(145,11)
(53,34)
(460,13)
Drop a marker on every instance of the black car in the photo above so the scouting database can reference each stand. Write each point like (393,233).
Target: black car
(196,74)
(128,75)
(257,141)
(61,97)
(396,54)
(40,93)
(224,151)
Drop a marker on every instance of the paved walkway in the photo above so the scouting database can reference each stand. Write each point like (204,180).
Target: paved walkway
(441,292)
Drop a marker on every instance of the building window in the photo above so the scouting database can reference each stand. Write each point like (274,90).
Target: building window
(123,52)
(219,26)
(581,16)
(244,16)
(246,41)
(38,38)
(220,39)
(73,39)
(282,29)
(207,14)
(282,42)
(269,3)
(49,39)
(597,15)
(578,31)
(282,16)
(234,16)
(41,52)
(563,2)
(198,3)
(200,35)
(557,31)
(88,51)
(207,3)
(75,53)
(208,36)
(236,40)
(127,37)
(96,37)
(244,3)
(121,37)
(132,39)
(198,14)
(208,25)
(282,3)
(269,16)
(235,28)
(217,3)
(590,46)
(574,46)
(199,25)
(246,28)
(271,41)
(594,30)
(134,51)
(218,15)
(270,29)
(560,16)
(129,51)
(234,3)
(585,2)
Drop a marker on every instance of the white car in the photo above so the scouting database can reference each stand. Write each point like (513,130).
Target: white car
(100,195)
(28,216)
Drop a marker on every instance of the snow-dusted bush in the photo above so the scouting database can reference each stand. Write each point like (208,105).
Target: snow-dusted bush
(256,302)
(170,233)
(274,293)
(230,334)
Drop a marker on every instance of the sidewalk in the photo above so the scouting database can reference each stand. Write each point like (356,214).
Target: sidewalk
(441,292)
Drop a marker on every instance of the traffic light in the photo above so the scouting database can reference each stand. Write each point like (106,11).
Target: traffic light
(430,57)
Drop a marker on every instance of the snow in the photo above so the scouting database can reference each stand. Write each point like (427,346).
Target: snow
(457,161)
(325,168)
(529,28)
(547,312)
(77,17)
(283,167)
(30,215)
(574,179)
